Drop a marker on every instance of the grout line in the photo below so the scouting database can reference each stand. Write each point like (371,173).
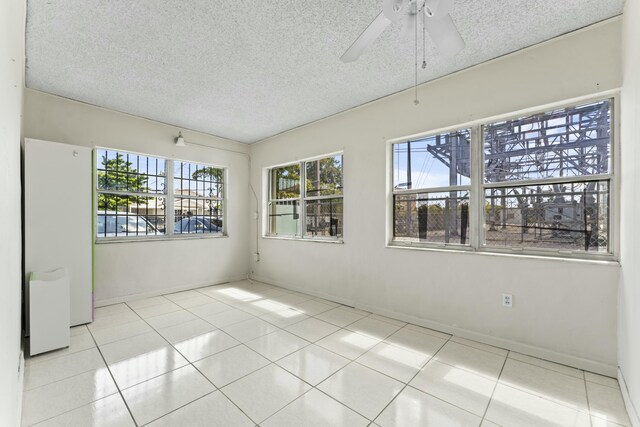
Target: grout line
(411,379)
(586,393)
(494,388)
(126,404)
(189,363)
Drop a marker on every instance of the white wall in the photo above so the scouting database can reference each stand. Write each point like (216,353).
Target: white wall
(123,269)
(563,310)
(629,315)
(12,18)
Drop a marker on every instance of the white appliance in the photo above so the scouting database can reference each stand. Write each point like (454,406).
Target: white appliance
(58,218)
(49,304)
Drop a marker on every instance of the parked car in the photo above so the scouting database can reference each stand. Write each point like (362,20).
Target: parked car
(112,224)
(196,224)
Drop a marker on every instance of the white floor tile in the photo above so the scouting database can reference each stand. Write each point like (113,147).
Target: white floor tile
(195,301)
(210,308)
(39,374)
(396,322)
(599,422)
(480,346)
(456,386)
(141,368)
(147,302)
(77,343)
(291,298)
(183,295)
(264,392)
(212,410)
(229,365)
(373,328)
(78,330)
(563,369)
(184,331)
(339,317)
(62,396)
(131,347)
(113,320)
(313,364)
(312,307)
(285,318)
(347,343)
(157,310)
(513,407)
(427,331)
(397,362)
(249,329)
(414,408)
(157,397)
(312,329)
(315,409)
(361,389)
(171,319)
(601,379)
(472,359)
(563,389)
(606,403)
(110,310)
(115,333)
(204,345)
(277,344)
(416,341)
(227,318)
(107,412)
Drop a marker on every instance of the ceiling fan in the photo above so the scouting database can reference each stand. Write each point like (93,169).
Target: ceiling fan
(436,20)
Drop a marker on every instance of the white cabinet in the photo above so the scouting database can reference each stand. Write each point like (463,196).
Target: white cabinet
(58,218)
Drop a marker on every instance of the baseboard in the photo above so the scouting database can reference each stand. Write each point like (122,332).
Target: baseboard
(634,415)
(539,352)
(132,297)
(20,387)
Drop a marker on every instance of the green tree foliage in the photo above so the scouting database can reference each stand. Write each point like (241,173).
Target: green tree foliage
(287,181)
(324,176)
(211,175)
(120,175)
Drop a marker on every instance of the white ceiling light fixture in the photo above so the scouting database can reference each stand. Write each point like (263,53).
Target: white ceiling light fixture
(180,140)
(432,14)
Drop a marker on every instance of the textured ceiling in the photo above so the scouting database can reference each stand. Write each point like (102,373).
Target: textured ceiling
(246,70)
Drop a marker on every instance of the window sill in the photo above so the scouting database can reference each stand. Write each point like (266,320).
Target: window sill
(299,239)
(594,259)
(107,240)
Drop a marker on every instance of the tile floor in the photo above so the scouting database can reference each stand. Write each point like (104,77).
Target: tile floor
(246,354)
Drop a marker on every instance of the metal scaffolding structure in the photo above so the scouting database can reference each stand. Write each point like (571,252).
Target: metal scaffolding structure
(538,175)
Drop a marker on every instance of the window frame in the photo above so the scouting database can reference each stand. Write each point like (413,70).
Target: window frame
(169,197)
(477,186)
(302,200)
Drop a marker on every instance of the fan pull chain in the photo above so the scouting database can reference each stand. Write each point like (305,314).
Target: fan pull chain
(424,45)
(416,101)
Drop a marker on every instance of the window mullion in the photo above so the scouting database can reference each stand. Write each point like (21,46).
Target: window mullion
(170,211)
(303,199)
(476,192)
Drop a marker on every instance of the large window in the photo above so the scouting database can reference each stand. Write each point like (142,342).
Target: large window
(538,184)
(136,197)
(311,211)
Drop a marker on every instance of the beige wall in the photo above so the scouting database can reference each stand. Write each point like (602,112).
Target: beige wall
(629,315)
(12,19)
(564,310)
(147,267)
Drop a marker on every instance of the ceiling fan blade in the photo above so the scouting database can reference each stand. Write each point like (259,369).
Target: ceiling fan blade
(368,36)
(437,7)
(444,34)
(408,31)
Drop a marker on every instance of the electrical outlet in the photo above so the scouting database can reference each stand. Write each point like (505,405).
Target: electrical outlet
(507,300)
